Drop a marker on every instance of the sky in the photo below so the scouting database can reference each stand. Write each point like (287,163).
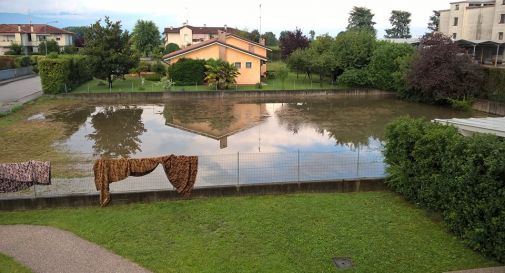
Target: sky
(322,16)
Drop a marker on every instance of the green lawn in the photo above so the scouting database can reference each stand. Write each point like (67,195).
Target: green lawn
(287,233)
(8,265)
(135,85)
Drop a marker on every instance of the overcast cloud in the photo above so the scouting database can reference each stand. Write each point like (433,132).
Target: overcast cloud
(323,16)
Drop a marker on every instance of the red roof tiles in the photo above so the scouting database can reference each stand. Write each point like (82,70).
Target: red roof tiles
(27,28)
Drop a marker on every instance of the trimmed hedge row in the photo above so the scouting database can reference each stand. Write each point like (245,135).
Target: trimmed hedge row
(495,84)
(461,177)
(68,71)
(187,71)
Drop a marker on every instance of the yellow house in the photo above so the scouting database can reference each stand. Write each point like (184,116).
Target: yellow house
(249,57)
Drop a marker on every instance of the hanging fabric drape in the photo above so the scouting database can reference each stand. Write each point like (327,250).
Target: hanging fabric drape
(180,170)
(15,177)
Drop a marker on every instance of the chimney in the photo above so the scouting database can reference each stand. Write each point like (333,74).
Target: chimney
(225,28)
(262,41)
(184,23)
(204,25)
(221,36)
(171,27)
(19,28)
(31,28)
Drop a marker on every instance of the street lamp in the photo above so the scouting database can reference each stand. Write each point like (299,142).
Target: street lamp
(45,33)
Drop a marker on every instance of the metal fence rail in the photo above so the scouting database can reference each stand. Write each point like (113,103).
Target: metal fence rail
(225,170)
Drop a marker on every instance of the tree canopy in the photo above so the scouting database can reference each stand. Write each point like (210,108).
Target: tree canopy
(79,34)
(361,18)
(270,39)
(434,23)
(145,37)
(109,50)
(400,25)
(291,41)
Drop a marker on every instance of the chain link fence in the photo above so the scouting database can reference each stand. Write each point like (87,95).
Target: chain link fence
(76,178)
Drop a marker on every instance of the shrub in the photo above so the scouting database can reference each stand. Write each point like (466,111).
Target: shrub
(158,68)
(66,70)
(171,47)
(354,78)
(187,71)
(23,61)
(54,74)
(144,67)
(71,49)
(463,178)
(14,49)
(152,77)
(49,46)
(7,62)
(495,84)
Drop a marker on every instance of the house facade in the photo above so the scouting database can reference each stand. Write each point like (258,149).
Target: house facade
(29,36)
(249,57)
(474,20)
(187,35)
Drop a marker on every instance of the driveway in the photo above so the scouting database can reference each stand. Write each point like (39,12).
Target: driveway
(19,92)
(47,249)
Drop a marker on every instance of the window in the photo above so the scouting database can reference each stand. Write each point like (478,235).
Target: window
(57,38)
(29,37)
(502,19)
(248,65)
(238,65)
(503,3)
(455,21)
(456,7)
(500,35)
(454,35)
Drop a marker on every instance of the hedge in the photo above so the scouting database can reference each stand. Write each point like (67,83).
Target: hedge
(66,71)
(7,62)
(187,71)
(463,178)
(495,84)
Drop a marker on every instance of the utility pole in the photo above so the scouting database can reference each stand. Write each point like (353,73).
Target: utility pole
(260,20)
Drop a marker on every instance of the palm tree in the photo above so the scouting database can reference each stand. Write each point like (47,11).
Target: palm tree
(220,73)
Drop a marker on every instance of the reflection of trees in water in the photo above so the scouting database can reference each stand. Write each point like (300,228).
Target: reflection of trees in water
(72,118)
(348,122)
(117,131)
(218,115)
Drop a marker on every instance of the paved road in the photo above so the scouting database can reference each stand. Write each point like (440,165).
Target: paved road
(47,249)
(20,91)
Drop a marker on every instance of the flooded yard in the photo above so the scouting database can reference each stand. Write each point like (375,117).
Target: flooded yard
(237,140)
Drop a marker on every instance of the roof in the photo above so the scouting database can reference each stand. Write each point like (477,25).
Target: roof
(200,30)
(209,43)
(37,28)
(412,41)
(477,42)
(249,41)
(473,1)
(495,126)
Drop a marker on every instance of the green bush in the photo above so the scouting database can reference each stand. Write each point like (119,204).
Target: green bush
(187,71)
(158,68)
(54,74)
(7,62)
(495,85)
(22,61)
(461,177)
(354,78)
(65,70)
(152,77)
(386,63)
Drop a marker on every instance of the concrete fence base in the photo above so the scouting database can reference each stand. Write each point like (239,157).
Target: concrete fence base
(228,93)
(491,107)
(84,200)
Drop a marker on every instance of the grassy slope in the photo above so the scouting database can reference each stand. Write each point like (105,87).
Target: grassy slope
(8,265)
(23,140)
(289,233)
(133,84)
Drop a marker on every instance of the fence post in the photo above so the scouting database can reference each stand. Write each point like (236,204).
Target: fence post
(66,88)
(357,165)
(238,171)
(132,87)
(88,88)
(298,171)
(196,86)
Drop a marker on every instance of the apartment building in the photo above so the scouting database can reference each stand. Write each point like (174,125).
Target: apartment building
(188,35)
(29,36)
(474,20)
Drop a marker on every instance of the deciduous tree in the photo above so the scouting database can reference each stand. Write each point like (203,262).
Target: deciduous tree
(434,23)
(109,50)
(442,71)
(291,41)
(270,39)
(145,37)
